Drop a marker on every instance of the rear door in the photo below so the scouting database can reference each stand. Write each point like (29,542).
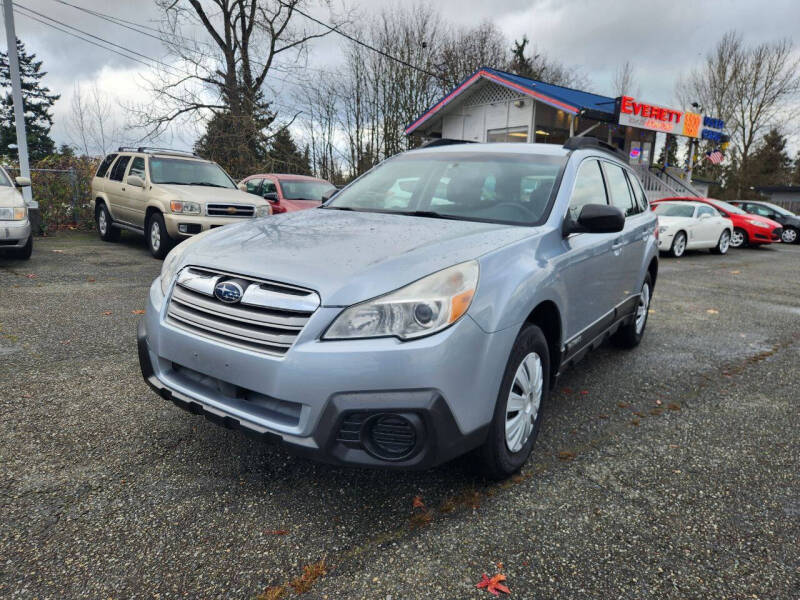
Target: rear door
(629,245)
(588,266)
(114,188)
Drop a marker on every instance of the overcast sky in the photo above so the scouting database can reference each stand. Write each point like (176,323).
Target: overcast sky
(661,39)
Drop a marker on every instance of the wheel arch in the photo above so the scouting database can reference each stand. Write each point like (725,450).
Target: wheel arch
(547,317)
(149,212)
(652,269)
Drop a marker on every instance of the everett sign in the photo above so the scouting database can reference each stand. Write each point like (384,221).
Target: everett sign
(667,120)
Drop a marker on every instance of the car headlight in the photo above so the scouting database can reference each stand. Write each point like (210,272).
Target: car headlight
(263,211)
(184,208)
(426,306)
(173,260)
(15,213)
(759,224)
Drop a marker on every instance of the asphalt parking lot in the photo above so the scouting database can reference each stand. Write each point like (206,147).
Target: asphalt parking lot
(672,471)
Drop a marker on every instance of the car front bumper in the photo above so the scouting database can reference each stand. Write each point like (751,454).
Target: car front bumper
(323,398)
(14,234)
(184,226)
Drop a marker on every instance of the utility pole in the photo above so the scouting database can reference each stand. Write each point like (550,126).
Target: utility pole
(16,94)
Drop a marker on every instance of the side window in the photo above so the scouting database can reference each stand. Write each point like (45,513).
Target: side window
(137,167)
(118,170)
(706,210)
(618,188)
(103,168)
(638,191)
(252,185)
(269,187)
(761,210)
(589,188)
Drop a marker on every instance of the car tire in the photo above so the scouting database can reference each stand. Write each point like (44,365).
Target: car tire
(739,238)
(25,252)
(631,334)
(507,447)
(158,240)
(108,233)
(678,245)
(723,243)
(789,235)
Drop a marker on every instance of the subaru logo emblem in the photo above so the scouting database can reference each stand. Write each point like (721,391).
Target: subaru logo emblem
(229,292)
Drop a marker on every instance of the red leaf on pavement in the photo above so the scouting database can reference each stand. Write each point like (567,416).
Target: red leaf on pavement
(418,503)
(31,275)
(106,313)
(137,312)
(584,392)
(493,585)
(278,532)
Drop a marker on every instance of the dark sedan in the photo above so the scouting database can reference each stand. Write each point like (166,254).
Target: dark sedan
(789,220)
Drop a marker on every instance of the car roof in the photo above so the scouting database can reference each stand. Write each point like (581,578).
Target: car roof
(495,148)
(676,200)
(289,177)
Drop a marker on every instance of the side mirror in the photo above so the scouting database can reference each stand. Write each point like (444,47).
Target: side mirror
(271,196)
(596,218)
(242,187)
(135,181)
(22,181)
(705,216)
(329,194)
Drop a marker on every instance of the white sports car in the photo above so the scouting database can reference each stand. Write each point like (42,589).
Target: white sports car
(691,225)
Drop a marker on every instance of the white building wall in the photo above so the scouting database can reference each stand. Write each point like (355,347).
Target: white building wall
(472,122)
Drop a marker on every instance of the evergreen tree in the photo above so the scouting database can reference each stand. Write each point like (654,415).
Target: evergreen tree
(521,64)
(770,163)
(36,100)
(284,156)
(237,143)
(669,151)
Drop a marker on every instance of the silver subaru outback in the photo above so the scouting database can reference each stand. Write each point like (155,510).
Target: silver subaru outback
(422,312)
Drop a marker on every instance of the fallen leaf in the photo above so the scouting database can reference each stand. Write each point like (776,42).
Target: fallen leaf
(712,311)
(499,566)
(138,311)
(658,402)
(58,251)
(623,404)
(735,272)
(673,406)
(493,585)
(419,520)
(272,593)
(602,416)
(278,532)
(418,503)
(674,446)
(310,574)
(106,312)
(525,563)
(584,392)
(91,280)
(650,311)
(31,275)
(566,455)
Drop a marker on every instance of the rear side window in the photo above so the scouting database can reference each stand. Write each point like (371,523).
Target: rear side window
(638,191)
(707,210)
(589,188)
(103,168)
(137,167)
(621,196)
(118,170)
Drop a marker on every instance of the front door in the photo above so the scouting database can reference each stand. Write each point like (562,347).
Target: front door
(114,188)
(132,198)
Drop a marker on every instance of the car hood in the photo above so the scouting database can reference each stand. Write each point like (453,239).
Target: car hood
(347,257)
(206,194)
(9,196)
(760,219)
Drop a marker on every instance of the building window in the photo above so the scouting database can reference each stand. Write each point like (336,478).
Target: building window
(510,134)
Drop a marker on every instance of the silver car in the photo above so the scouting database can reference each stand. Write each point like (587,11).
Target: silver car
(422,312)
(16,238)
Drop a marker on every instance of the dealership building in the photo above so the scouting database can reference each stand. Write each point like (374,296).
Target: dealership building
(495,106)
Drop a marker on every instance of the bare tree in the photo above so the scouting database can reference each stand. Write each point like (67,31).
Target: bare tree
(224,77)
(465,50)
(92,124)
(541,67)
(624,82)
(751,88)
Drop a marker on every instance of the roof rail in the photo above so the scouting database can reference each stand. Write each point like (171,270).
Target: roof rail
(444,142)
(156,150)
(581,143)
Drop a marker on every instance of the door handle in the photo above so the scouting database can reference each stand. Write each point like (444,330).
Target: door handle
(123,189)
(616,244)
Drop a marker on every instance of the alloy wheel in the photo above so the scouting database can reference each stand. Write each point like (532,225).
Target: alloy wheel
(724,242)
(102,223)
(155,236)
(737,239)
(642,308)
(680,245)
(524,400)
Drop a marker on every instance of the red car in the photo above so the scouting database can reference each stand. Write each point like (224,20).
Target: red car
(748,230)
(287,193)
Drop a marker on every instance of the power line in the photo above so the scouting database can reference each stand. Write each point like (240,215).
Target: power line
(360,43)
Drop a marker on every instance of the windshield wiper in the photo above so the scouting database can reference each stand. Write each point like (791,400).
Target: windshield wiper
(427,213)
(208,184)
(338,208)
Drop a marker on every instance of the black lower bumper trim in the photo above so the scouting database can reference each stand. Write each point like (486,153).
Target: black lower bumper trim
(442,439)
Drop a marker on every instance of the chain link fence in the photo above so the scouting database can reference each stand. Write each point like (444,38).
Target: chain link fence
(62,186)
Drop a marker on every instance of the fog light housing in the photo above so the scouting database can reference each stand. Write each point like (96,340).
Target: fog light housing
(392,436)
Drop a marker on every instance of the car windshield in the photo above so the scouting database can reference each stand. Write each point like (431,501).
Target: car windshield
(506,188)
(674,210)
(188,172)
(305,190)
(735,210)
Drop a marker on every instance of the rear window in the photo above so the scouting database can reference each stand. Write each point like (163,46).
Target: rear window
(118,170)
(103,168)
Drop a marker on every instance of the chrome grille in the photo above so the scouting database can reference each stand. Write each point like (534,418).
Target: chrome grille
(268,318)
(230,210)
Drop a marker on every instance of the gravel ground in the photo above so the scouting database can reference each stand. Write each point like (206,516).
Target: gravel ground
(672,471)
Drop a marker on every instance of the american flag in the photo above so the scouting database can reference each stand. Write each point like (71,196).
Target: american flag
(715,157)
